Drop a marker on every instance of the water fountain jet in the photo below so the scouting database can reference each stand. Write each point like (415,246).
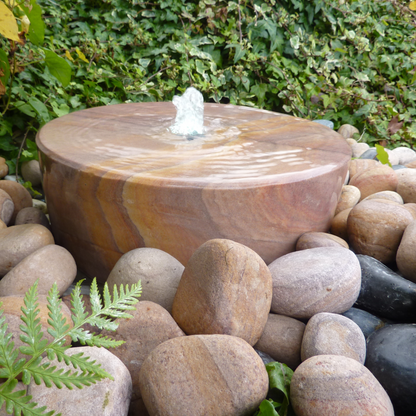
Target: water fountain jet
(116,179)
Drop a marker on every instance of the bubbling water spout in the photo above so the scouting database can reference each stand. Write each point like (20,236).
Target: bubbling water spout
(189,119)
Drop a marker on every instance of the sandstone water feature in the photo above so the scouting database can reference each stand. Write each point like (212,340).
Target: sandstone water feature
(125,181)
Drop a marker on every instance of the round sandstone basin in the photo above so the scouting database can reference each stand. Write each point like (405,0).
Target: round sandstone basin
(116,179)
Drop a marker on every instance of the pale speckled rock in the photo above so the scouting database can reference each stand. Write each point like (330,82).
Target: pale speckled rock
(19,194)
(351,141)
(339,224)
(306,282)
(105,398)
(333,385)
(381,178)
(6,207)
(394,158)
(226,288)
(411,207)
(31,172)
(317,239)
(158,271)
(375,228)
(2,225)
(203,375)
(347,131)
(149,326)
(4,169)
(32,215)
(48,264)
(360,165)
(405,155)
(333,334)
(411,165)
(406,253)
(406,185)
(350,195)
(18,241)
(389,195)
(359,148)
(40,205)
(281,339)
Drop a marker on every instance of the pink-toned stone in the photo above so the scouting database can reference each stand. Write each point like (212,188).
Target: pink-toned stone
(19,194)
(316,239)
(281,339)
(375,228)
(329,385)
(333,334)
(360,165)
(381,178)
(18,241)
(411,207)
(406,186)
(350,196)
(339,224)
(323,279)
(406,253)
(6,207)
(226,288)
(149,326)
(203,375)
(389,195)
(32,215)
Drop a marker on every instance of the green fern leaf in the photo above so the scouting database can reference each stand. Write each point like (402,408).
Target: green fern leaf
(56,319)
(95,299)
(78,310)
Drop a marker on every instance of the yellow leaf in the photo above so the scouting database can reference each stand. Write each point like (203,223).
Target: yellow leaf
(81,55)
(8,24)
(25,24)
(68,55)
(412,5)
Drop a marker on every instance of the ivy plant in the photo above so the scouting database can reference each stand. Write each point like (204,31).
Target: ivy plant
(81,371)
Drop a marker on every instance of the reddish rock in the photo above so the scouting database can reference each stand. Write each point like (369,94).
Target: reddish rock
(350,196)
(316,239)
(360,165)
(375,228)
(226,288)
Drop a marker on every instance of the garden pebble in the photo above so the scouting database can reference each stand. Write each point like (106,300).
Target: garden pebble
(226,288)
(393,157)
(315,239)
(405,155)
(32,215)
(40,205)
(6,207)
(359,148)
(158,271)
(48,264)
(367,322)
(31,172)
(370,153)
(406,185)
(333,385)
(347,131)
(339,224)
(19,195)
(391,358)
(350,195)
(389,195)
(375,228)
(281,339)
(2,225)
(360,165)
(4,169)
(323,279)
(149,326)
(411,207)
(18,241)
(333,334)
(104,398)
(406,258)
(203,375)
(381,178)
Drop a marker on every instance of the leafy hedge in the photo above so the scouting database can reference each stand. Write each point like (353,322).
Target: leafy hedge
(353,61)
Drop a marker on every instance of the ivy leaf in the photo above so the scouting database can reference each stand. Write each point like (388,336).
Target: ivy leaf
(40,109)
(8,24)
(58,67)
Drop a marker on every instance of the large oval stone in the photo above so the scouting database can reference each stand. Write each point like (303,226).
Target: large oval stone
(391,358)
(281,339)
(226,288)
(317,239)
(6,207)
(339,224)
(406,186)
(385,293)
(360,165)
(389,195)
(350,195)
(18,241)
(323,279)
(406,253)
(333,334)
(19,194)
(203,375)
(50,264)
(158,272)
(333,385)
(375,228)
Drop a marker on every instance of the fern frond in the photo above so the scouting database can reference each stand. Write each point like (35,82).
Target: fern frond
(95,298)
(78,310)
(8,354)
(56,319)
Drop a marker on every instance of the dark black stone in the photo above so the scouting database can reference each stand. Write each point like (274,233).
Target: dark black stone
(385,293)
(391,357)
(265,357)
(367,322)
(370,153)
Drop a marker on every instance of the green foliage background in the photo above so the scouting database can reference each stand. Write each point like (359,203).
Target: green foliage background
(348,61)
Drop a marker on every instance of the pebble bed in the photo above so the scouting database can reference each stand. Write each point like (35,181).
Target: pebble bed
(340,310)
